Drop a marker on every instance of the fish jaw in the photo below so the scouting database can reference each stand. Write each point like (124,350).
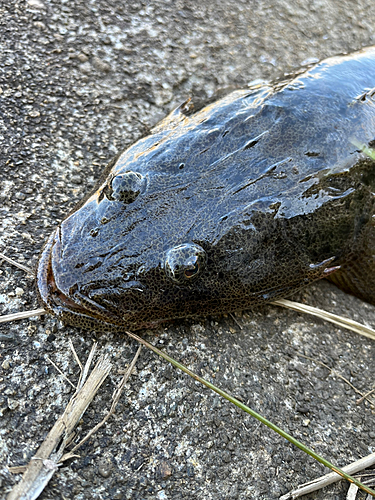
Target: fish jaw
(67,308)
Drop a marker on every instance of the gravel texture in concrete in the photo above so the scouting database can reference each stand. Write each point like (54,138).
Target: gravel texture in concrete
(80,81)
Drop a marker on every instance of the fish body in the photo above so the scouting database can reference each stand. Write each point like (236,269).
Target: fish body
(238,204)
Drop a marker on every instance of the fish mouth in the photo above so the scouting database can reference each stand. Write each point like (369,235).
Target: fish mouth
(76,310)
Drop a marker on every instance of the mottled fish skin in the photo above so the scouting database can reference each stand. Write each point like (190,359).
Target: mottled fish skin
(238,204)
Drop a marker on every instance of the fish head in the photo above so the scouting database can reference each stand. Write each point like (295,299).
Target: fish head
(230,207)
(149,246)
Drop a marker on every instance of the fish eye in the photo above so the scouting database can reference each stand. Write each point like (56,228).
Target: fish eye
(185,263)
(125,187)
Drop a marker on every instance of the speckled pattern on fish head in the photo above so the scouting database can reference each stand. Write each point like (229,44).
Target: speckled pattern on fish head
(240,203)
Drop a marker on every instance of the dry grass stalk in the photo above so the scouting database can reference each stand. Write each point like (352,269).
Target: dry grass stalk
(322,482)
(78,361)
(366,331)
(352,492)
(84,373)
(44,463)
(58,369)
(19,469)
(22,315)
(236,321)
(14,263)
(365,396)
(50,454)
(115,400)
(337,374)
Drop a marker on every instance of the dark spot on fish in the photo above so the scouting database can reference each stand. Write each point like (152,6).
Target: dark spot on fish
(311,153)
(250,144)
(204,150)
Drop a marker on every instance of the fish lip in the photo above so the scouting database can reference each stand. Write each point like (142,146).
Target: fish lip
(44,269)
(58,303)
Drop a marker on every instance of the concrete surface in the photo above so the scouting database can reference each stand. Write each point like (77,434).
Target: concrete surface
(78,82)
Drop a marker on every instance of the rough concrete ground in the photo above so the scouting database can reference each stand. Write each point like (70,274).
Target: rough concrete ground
(78,82)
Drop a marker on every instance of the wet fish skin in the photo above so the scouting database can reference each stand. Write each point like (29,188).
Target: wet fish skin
(238,204)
